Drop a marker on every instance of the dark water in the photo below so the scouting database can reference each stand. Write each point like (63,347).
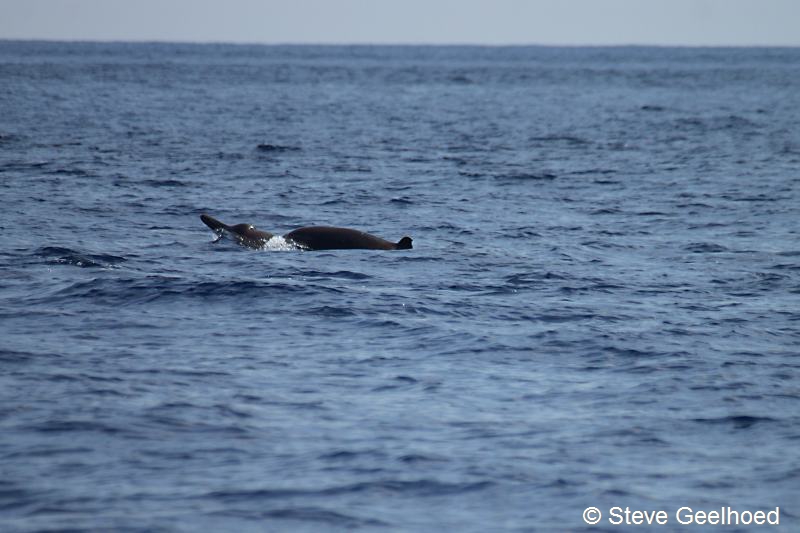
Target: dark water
(602,307)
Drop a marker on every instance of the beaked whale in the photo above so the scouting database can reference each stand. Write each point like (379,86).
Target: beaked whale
(308,238)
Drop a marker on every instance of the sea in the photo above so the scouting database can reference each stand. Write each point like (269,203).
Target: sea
(601,310)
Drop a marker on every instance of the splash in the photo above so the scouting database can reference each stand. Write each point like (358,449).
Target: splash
(279,244)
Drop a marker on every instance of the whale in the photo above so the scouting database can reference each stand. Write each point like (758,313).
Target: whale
(307,238)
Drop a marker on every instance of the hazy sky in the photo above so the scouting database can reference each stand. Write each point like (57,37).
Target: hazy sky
(680,22)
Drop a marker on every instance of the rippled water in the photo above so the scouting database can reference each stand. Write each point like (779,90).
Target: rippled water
(601,307)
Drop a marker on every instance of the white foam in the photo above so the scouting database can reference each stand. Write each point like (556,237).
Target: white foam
(279,244)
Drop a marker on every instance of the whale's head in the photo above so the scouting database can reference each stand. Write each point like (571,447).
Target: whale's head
(248,235)
(242,229)
(244,234)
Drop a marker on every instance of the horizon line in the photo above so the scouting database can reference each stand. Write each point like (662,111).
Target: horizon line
(464,44)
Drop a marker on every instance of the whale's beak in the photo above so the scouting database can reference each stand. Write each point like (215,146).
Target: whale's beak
(217,226)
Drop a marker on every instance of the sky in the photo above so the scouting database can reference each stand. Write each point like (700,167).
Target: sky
(486,22)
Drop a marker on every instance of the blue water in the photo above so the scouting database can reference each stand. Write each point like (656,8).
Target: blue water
(602,306)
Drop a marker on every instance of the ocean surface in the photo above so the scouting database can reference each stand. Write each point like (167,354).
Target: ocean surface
(601,308)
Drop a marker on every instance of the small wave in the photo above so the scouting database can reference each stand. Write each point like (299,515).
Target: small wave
(306,514)
(229,156)
(424,487)
(569,139)
(756,198)
(64,426)
(523,232)
(352,168)
(46,451)
(164,183)
(602,245)
(335,201)
(12,356)
(67,143)
(705,247)
(786,266)
(729,122)
(349,455)
(738,422)
(15,166)
(460,79)
(231,288)
(330,311)
(13,496)
(415,458)
(629,352)
(339,274)
(527,278)
(398,383)
(79,172)
(401,200)
(131,291)
(471,174)
(556,318)
(593,171)
(67,256)
(527,176)
(265,147)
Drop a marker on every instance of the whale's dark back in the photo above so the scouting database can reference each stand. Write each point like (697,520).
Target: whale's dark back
(330,238)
